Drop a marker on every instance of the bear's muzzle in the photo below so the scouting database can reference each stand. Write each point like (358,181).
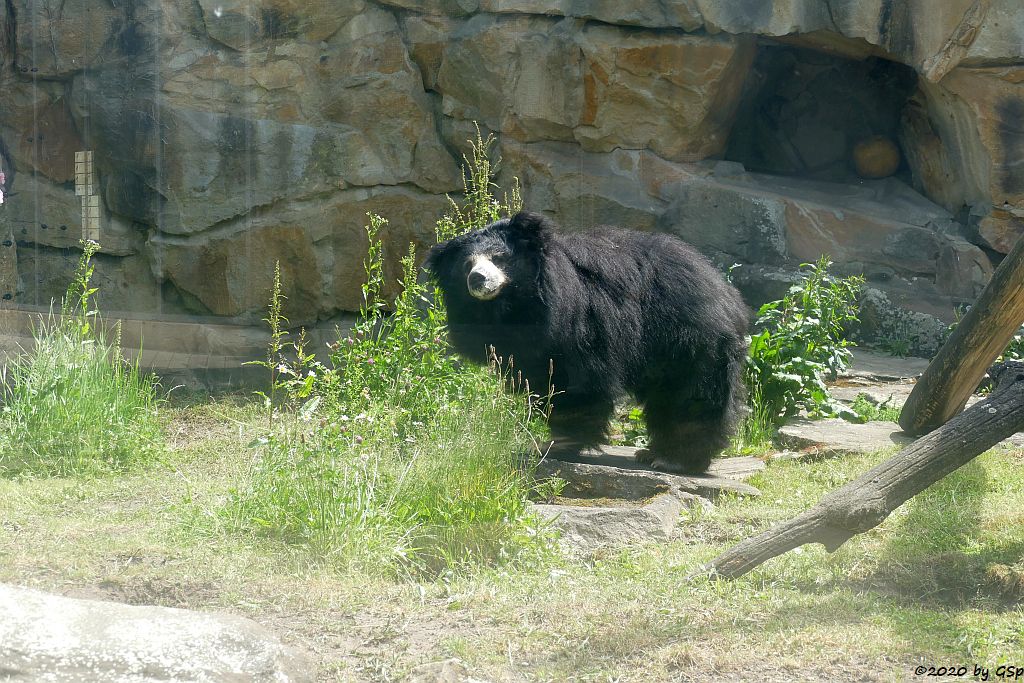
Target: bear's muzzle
(485,279)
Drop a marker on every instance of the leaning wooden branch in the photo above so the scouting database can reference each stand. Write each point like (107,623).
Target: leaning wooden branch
(864,503)
(954,373)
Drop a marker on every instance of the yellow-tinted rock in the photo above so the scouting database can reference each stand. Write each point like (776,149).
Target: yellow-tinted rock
(1000,230)
(876,157)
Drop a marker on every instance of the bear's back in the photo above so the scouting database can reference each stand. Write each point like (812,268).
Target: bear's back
(672,275)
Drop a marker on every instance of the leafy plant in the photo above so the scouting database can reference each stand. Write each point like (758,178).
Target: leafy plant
(895,346)
(1015,349)
(865,409)
(73,404)
(481,206)
(801,341)
(629,427)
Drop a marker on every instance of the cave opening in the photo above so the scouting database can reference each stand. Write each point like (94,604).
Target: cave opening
(815,115)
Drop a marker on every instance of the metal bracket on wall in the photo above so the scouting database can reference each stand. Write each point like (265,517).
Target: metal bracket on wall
(90,201)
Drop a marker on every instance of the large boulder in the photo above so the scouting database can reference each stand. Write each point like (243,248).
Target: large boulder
(629,188)
(880,228)
(195,159)
(648,13)
(931,37)
(47,637)
(238,24)
(966,140)
(55,38)
(227,134)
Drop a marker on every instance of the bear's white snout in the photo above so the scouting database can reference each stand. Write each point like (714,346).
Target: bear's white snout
(485,279)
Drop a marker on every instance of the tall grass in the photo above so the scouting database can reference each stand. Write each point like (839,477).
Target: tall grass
(73,404)
(391,456)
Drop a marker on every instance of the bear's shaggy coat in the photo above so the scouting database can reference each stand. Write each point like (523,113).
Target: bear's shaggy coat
(599,314)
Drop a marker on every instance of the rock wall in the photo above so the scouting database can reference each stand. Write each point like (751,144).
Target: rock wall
(230,134)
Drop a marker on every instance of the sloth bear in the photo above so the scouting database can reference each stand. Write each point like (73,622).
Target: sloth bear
(599,314)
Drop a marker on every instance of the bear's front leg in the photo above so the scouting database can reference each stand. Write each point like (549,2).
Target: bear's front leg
(579,421)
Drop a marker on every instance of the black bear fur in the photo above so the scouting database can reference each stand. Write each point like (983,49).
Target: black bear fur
(599,314)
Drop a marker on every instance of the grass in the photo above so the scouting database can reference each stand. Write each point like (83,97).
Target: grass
(72,404)
(361,491)
(916,590)
(373,511)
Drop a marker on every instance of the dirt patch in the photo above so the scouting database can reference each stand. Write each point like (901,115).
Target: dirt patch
(149,591)
(379,644)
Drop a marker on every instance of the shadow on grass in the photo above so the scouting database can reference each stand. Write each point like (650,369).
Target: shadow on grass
(938,560)
(940,555)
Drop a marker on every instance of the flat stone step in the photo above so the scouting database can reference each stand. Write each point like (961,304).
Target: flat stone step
(838,437)
(894,394)
(834,436)
(585,528)
(609,499)
(199,353)
(191,370)
(613,472)
(876,366)
(178,336)
(624,457)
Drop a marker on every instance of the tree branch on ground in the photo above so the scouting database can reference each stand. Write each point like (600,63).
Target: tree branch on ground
(866,502)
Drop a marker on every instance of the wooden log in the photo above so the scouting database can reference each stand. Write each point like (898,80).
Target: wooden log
(977,341)
(864,503)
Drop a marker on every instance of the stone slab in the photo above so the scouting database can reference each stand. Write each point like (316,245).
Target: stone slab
(882,367)
(617,475)
(839,437)
(624,457)
(893,393)
(585,529)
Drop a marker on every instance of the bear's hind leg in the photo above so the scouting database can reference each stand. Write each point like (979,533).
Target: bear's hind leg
(685,434)
(580,421)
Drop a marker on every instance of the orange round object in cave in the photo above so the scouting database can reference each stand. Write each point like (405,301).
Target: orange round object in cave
(876,157)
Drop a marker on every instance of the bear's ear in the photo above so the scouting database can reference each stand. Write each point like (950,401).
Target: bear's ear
(529,224)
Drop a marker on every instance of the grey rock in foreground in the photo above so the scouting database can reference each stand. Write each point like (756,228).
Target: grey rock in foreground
(446,671)
(47,637)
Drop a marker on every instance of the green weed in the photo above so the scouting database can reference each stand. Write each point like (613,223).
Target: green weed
(867,410)
(391,455)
